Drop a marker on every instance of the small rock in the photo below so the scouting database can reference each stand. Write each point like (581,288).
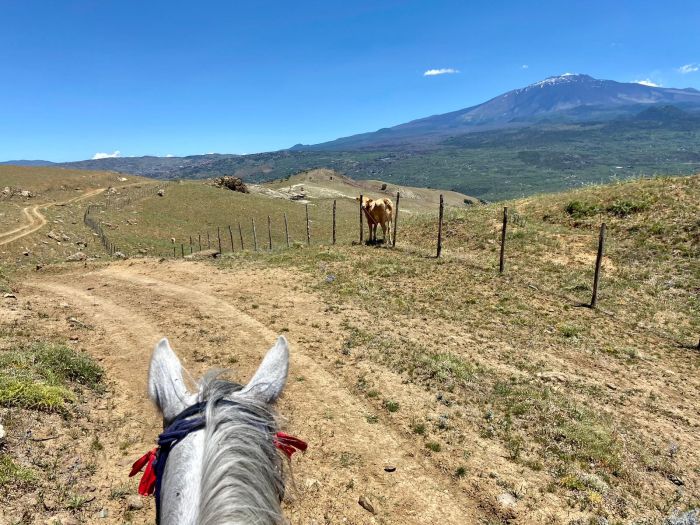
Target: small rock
(161,193)
(676,480)
(104,513)
(366,504)
(311,484)
(9,296)
(2,433)
(143,251)
(553,376)
(119,255)
(506,500)
(26,193)
(53,235)
(65,237)
(26,253)
(389,468)
(134,503)
(77,256)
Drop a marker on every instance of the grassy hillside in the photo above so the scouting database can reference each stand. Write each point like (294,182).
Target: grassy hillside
(578,412)
(55,184)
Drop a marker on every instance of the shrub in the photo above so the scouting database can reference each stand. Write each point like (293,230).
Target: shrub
(580,209)
(623,208)
(391,406)
(433,446)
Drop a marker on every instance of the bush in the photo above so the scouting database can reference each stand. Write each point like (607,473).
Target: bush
(623,208)
(580,209)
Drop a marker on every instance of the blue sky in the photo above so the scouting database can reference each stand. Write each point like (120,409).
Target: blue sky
(78,77)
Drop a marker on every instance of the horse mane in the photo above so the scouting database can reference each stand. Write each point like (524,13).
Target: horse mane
(242,479)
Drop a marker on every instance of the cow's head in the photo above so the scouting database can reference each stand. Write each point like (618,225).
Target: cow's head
(366,201)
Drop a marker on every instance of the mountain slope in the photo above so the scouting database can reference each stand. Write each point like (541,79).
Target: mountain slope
(564,98)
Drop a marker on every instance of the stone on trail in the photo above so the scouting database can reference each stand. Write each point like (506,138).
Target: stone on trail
(506,500)
(53,235)
(77,256)
(119,255)
(366,504)
(134,503)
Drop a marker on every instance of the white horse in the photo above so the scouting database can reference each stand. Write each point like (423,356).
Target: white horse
(218,460)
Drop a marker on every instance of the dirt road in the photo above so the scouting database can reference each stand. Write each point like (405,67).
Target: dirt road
(229,319)
(35,220)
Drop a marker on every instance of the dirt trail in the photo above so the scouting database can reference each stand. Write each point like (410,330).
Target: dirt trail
(36,220)
(210,320)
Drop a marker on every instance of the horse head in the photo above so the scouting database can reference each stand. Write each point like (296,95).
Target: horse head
(218,459)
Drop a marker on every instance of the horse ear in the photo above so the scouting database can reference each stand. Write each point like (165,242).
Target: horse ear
(166,386)
(267,383)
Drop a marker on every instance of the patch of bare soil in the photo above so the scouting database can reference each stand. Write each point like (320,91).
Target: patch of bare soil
(229,319)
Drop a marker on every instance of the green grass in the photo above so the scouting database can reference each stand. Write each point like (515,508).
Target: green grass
(40,376)
(433,446)
(13,475)
(391,406)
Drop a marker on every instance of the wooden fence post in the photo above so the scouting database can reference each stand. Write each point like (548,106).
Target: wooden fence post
(269,232)
(255,236)
(208,241)
(286,228)
(218,236)
(396,217)
(190,244)
(439,240)
(308,228)
(504,229)
(240,233)
(598,262)
(334,204)
(230,234)
(200,242)
(362,232)
(182,249)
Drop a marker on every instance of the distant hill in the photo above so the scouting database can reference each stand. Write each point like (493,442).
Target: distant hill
(26,163)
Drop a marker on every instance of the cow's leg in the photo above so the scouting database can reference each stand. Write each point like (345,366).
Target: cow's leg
(384,229)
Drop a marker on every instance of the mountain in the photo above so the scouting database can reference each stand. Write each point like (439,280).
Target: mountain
(565,98)
(27,163)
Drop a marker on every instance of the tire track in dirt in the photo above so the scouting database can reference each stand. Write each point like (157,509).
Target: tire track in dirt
(36,220)
(132,317)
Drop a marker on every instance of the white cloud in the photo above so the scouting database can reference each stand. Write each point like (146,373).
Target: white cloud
(688,68)
(170,155)
(112,155)
(524,66)
(647,82)
(441,71)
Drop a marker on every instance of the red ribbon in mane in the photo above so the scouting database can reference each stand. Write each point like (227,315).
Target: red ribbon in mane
(284,442)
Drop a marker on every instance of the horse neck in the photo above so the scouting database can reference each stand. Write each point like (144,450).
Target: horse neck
(241,479)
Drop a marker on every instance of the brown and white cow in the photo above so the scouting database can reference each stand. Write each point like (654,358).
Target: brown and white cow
(378,212)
